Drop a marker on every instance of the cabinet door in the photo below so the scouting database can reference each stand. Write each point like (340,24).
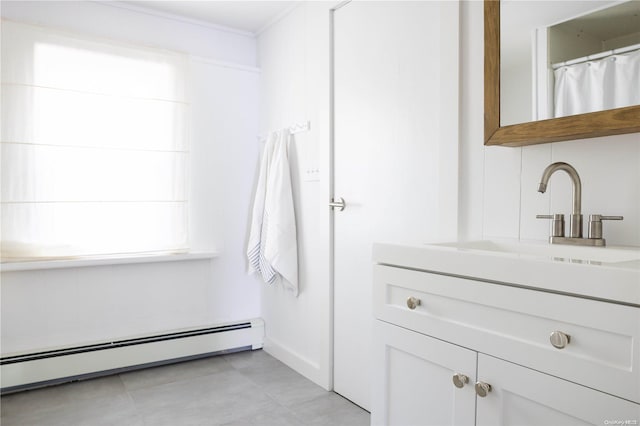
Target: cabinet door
(521,396)
(413,380)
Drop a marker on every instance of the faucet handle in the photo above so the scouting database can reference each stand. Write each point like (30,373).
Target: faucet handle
(557,223)
(595,224)
(601,217)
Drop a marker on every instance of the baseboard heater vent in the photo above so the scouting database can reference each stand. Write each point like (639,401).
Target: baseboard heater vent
(28,370)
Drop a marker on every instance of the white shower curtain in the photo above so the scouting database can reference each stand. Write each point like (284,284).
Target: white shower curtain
(611,82)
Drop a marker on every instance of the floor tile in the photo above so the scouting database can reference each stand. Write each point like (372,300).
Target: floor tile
(53,397)
(210,411)
(174,372)
(251,359)
(274,415)
(213,387)
(113,410)
(285,385)
(331,410)
(245,388)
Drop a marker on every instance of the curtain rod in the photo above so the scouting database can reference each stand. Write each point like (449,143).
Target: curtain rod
(597,56)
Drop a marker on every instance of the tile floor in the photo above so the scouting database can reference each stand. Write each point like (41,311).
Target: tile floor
(245,388)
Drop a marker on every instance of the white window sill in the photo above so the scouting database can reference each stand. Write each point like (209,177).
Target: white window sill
(103,260)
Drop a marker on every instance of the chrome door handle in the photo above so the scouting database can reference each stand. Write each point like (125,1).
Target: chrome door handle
(337,204)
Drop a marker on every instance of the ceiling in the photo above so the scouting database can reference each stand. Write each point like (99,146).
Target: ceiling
(250,16)
(606,24)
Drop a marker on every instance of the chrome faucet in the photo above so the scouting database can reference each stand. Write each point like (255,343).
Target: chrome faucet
(557,225)
(575,222)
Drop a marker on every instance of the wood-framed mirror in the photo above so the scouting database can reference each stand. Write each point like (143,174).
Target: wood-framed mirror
(580,126)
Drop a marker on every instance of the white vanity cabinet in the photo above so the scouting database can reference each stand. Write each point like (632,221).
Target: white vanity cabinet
(431,327)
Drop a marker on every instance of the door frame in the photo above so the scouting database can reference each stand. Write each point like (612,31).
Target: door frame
(331,178)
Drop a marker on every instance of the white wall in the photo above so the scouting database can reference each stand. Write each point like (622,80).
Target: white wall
(294,60)
(499,195)
(47,308)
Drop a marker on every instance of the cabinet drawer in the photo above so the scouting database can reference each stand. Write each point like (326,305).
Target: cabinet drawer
(515,324)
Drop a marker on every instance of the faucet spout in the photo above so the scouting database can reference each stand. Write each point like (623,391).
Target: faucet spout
(576,186)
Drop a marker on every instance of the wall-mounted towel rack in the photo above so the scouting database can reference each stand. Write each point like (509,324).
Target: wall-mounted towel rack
(300,127)
(296,128)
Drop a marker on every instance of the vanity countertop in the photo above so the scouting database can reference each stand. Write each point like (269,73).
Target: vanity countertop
(609,273)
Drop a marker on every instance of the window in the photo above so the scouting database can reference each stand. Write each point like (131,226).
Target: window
(94,147)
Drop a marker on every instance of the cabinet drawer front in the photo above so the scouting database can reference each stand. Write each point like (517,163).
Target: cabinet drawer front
(514,323)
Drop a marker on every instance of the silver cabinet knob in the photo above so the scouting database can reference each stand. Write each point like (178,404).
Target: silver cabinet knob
(482,389)
(412,302)
(459,380)
(559,339)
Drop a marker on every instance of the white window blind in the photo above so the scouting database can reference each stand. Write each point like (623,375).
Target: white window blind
(94,146)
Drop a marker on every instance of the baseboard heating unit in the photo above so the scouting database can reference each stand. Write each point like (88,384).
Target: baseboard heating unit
(40,368)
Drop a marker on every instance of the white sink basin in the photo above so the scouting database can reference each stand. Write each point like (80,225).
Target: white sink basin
(556,252)
(604,273)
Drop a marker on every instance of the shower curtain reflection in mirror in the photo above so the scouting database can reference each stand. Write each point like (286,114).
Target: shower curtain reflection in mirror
(597,85)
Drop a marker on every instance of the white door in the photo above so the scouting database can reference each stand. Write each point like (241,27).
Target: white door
(524,397)
(390,129)
(413,380)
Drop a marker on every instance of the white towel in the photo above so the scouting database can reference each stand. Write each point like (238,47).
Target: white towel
(272,249)
(257,262)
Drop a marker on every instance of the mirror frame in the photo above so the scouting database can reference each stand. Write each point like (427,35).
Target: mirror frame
(595,124)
